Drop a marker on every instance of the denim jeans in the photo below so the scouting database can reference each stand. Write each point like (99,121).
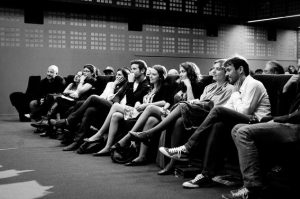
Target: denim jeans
(270,134)
(216,130)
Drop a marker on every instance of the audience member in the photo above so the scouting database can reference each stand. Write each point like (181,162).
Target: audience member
(273,134)
(273,67)
(52,84)
(109,71)
(173,71)
(188,115)
(258,71)
(249,103)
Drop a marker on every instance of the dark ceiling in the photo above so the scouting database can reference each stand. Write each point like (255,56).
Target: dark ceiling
(220,11)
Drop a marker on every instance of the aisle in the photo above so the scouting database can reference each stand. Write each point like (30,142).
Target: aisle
(35,167)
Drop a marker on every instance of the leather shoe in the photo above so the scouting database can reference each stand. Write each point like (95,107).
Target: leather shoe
(141,136)
(136,163)
(72,147)
(165,171)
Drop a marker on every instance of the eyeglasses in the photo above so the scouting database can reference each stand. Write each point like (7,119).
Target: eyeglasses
(86,70)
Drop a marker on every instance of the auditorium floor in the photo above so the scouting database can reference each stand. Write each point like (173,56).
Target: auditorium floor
(35,167)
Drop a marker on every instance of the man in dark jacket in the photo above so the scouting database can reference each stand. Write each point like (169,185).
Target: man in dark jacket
(51,84)
(33,103)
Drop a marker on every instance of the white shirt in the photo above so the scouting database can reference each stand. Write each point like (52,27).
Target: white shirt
(251,99)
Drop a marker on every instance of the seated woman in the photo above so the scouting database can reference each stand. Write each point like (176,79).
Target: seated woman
(189,115)
(113,92)
(157,96)
(188,89)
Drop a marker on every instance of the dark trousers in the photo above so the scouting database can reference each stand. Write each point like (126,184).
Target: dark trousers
(93,101)
(92,112)
(216,129)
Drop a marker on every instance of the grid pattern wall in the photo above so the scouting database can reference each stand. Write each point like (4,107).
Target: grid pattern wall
(209,7)
(82,32)
(266,8)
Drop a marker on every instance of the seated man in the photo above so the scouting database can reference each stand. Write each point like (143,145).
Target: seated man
(51,84)
(273,67)
(272,134)
(250,102)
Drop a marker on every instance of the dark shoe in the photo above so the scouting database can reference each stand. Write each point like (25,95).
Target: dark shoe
(136,163)
(40,124)
(44,134)
(177,153)
(39,130)
(141,136)
(62,123)
(72,147)
(89,146)
(165,171)
(242,193)
(199,181)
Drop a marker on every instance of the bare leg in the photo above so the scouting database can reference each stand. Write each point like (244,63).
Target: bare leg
(150,110)
(151,122)
(176,113)
(104,128)
(113,129)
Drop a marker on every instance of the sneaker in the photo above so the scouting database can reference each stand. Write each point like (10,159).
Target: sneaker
(199,181)
(242,193)
(177,153)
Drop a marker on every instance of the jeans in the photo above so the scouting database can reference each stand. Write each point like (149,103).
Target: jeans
(270,135)
(216,127)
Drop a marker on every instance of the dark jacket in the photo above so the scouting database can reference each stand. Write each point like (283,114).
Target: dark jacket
(55,86)
(134,96)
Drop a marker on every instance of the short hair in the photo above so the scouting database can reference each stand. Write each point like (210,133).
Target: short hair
(141,63)
(54,67)
(238,62)
(276,67)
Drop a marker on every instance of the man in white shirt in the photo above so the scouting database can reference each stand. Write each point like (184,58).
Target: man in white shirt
(249,103)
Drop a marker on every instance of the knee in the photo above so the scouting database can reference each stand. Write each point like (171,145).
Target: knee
(33,104)
(242,133)
(149,109)
(116,117)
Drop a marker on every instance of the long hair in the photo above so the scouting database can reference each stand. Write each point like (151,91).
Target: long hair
(190,69)
(162,73)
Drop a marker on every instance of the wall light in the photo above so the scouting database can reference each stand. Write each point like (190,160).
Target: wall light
(274,18)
